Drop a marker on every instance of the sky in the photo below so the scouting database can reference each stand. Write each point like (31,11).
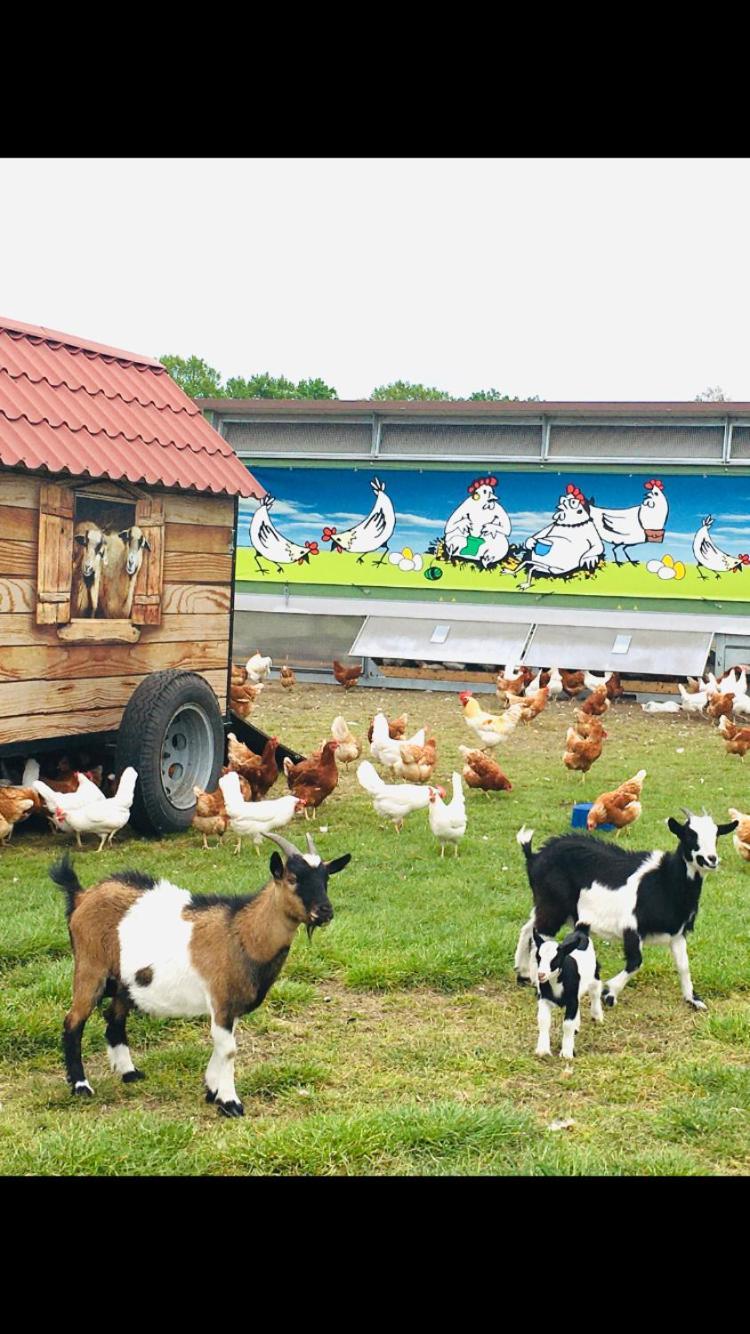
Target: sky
(308,499)
(563,278)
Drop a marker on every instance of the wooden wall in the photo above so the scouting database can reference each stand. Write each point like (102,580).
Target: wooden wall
(50,689)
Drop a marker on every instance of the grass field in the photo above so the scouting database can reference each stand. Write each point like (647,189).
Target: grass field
(397,1041)
(609,580)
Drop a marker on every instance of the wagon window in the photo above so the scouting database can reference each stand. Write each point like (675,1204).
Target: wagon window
(101,587)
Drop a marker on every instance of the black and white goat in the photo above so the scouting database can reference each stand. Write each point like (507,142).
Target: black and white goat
(155,947)
(565,974)
(639,898)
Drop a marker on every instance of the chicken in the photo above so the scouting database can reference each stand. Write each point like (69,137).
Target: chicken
(287,677)
(84,794)
(372,534)
(614,686)
(260,771)
(314,779)
(669,706)
(621,807)
(692,703)
(385,750)
(593,682)
(349,748)
(416,763)
(393,801)
(396,729)
(258,668)
(581,752)
(720,706)
(482,772)
(634,525)
(733,683)
(490,728)
(16,803)
(587,724)
(555,684)
(710,557)
(510,684)
(104,816)
(346,676)
(741,838)
(210,811)
(737,738)
(253,819)
(573,683)
(242,699)
(448,821)
(533,704)
(597,702)
(267,541)
(239,674)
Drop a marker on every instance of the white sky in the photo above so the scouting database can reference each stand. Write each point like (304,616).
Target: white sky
(571,279)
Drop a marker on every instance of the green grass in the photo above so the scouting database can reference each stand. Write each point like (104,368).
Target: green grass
(397,1041)
(609,580)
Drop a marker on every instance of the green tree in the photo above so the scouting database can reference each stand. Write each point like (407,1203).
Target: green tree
(195,376)
(494,396)
(403,389)
(713,394)
(262,385)
(315,389)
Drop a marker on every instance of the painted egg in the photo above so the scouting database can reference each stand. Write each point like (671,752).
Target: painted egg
(666,572)
(667,561)
(679,570)
(433,572)
(654,566)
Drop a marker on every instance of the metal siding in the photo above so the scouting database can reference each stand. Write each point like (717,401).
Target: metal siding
(301,438)
(455,439)
(466,641)
(624,442)
(650,651)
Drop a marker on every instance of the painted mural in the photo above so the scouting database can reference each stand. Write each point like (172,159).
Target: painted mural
(606,534)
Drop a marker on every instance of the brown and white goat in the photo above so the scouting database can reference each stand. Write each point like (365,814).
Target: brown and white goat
(89,545)
(155,947)
(123,558)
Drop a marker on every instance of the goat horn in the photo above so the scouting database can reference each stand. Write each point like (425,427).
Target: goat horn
(284,844)
(311,848)
(686,812)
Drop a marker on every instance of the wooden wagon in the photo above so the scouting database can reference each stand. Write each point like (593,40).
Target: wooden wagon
(98,448)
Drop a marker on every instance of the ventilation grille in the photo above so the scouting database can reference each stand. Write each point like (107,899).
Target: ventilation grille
(741,442)
(300,438)
(624,442)
(451,442)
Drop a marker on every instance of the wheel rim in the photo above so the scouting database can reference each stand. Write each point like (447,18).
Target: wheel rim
(187,755)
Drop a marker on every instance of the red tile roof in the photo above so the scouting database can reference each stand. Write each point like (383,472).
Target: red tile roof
(72,406)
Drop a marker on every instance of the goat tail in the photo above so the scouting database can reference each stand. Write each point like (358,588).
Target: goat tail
(523,838)
(65,878)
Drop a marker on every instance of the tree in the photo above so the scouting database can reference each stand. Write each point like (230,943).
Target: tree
(494,396)
(263,385)
(403,389)
(192,374)
(712,395)
(315,389)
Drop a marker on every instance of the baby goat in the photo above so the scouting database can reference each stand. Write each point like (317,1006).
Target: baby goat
(155,947)
(565,973)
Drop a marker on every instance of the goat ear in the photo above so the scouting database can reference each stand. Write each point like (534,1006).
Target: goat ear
(538,939)
(277,866)
(80,539)
(145,544)
(726,828)
(124,536)
(675,826)
(339,864)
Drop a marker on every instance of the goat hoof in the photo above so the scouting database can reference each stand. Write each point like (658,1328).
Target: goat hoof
(82,1089)
(230,1108)
(210,1095)
(133,1076)
(609,998)
(696,1003)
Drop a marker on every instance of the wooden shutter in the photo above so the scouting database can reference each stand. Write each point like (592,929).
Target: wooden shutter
(55,563)
(149,516)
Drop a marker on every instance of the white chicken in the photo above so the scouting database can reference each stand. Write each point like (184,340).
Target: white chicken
(593,682)
(534,685)
(448,820)
(635,525)
(710,557)
(491,728)
(258,669)
(692,703)
(733,685)
(384,749)
(30,772)
(372,533)
(253,819)
(555,684)
(267,541)
(59,803)
(479,528)
(349,748)
(393,801)
(105,816)
(669,706)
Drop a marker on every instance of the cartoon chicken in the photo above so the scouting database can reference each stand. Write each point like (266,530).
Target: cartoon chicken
(631,527)
(571,542)
(269,542)
(372,533)
(710,557)
(478,529)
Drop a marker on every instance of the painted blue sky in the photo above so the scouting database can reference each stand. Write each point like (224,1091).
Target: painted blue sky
(309,498)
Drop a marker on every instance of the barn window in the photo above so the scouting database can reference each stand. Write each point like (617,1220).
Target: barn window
(101,559)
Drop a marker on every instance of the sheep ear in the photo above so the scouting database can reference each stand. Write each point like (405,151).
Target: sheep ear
(277,866)
(726,828)
(145,544)
(339,864)
(124,536)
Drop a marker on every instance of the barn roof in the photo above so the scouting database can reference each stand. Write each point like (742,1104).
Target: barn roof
(68,405)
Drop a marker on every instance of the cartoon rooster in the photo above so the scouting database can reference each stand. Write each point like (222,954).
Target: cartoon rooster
(570,542)
(708,555)
(372,533)
(269,542)
(631,527)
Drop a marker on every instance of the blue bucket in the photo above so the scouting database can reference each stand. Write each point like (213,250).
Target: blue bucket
(580,814)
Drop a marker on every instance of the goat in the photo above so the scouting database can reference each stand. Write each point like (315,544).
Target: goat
(565,973)
(123,558)
(155,947)
(637,897)
(89,546)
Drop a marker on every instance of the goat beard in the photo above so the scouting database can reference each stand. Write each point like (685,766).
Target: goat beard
(88,579)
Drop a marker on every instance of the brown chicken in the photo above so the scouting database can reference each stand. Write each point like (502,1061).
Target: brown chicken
(620,807)
(741,837)
(416,763)
(483,772)
(346,676)
(614,686)
(586,724)
(511,685)
(737,738)
(582,752)
(349,748)
(210,812)
(597,702)
(396,729)
(314,779)
(287,677)
(720,706)
(239,674)
(16,804)
(260,771)
(573,682)
(533,704)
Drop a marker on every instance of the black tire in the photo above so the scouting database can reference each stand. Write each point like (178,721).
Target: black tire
(173,735)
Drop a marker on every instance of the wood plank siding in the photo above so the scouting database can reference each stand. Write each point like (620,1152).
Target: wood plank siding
(51,688)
